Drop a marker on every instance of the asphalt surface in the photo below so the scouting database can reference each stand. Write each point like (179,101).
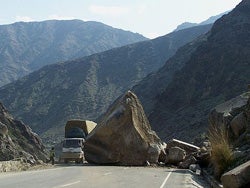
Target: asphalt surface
(88,176)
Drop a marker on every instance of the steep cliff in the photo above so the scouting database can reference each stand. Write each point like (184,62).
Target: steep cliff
(17,140)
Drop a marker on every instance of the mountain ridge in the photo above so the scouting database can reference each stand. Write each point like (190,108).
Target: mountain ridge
(210,20)
(216,71)
(27,46)
(83,88)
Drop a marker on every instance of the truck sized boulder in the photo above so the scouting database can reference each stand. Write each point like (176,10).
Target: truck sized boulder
(123,136)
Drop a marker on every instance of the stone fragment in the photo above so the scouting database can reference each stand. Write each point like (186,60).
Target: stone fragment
(175,155)
(237,177)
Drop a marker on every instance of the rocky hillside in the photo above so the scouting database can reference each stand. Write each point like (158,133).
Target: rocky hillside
(84,88)
(234,115)
(17,140)
(217,70)
(25,47)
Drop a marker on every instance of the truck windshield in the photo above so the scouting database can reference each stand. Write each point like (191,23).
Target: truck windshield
(72,143)
(75,132)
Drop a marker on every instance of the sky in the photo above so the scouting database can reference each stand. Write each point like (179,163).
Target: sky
(151,18)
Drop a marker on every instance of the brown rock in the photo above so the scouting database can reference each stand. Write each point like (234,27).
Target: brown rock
(223,114)
(238,124)
(187,162)
(175,155)
(123,136)
(3,129)
(238,177)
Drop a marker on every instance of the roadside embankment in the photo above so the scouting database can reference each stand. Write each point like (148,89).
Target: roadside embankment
(10,166)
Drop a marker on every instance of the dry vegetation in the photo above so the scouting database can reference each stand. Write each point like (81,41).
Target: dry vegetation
(222,155)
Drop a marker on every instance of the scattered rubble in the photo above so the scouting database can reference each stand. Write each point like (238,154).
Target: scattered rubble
(234,117)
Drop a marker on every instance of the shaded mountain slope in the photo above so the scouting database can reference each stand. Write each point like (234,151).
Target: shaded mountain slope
(216,71)
(25,47)
(84,88)
(155,83)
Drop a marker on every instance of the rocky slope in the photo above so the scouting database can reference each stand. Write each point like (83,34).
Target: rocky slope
(217,70)
(17,140)
(25,47)
(234,115)
(84,88)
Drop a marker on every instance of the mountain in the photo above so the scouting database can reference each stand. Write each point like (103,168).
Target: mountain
(216,69)
(25,47)
(18,140)
(83,88)
(210,20)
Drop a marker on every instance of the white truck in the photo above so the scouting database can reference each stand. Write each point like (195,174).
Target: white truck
(76,132)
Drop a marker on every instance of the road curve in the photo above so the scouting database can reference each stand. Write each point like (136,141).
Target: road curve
(88,176)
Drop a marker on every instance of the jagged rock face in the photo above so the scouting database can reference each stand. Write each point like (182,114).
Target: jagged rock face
(17,139)
(225,114)
(234,116)
(216,71)
(123,136)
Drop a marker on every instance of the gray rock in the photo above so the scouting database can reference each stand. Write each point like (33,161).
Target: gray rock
(187,162)
(239,124)
(3,129)
(194,167)
(175,155)
(238,177)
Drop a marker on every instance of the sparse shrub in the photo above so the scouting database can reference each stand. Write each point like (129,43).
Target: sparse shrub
(222,155)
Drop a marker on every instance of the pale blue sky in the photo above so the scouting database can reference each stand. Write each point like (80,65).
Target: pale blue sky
(151,18)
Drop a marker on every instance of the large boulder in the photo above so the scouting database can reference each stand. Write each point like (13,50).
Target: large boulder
(231,113)
(238,177)
(239,124)
(123,136)
(175,155)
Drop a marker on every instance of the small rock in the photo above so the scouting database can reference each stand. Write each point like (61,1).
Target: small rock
(175,155)
(187,162)
(194,167)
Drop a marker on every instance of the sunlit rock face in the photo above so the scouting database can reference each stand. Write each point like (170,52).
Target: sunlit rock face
(17,140)
(123,136)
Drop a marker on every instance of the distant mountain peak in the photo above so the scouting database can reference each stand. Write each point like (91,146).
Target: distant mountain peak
(210,20)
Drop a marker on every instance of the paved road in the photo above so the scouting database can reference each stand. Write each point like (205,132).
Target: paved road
(102,176)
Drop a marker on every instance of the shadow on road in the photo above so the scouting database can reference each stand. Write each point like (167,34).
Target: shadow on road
(196,180)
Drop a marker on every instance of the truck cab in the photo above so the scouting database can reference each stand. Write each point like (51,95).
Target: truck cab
(73,150)
(76,132)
